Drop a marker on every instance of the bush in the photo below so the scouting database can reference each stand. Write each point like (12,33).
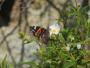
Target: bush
(68,48)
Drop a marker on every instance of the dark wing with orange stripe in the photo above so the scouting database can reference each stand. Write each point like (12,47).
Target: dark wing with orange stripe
(40,32)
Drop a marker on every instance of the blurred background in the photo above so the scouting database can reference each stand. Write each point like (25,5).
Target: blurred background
(18,15)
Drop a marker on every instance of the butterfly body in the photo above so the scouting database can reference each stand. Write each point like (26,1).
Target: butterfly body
(41,33)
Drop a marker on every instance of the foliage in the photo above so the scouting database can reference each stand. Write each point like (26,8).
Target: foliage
(5,64)
(68,48)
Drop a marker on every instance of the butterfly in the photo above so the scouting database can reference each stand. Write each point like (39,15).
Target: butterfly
(41,33)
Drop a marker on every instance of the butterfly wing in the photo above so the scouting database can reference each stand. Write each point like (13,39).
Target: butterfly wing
(41,33)
(45,37)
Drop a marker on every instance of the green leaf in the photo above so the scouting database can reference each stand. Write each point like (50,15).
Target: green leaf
(69,64)
(86,61)
(10,66)
(79,66)
(21,35)
(3,63)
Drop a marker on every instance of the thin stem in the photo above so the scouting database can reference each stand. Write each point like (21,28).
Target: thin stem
(76,3)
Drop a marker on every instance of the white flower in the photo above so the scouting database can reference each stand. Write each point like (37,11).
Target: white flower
(78,46)
(88,13)
(68,47)
(54,29)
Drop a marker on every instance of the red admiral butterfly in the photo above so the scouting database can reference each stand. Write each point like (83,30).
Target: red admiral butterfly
(41,33)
